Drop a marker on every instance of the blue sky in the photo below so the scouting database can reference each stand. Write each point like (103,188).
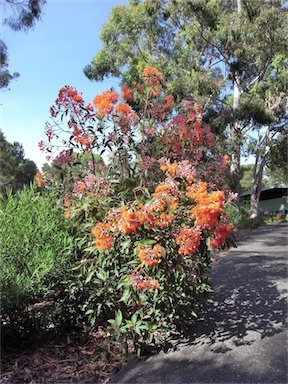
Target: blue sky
(51,55)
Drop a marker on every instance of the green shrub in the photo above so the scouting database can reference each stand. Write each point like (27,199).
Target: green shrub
(240,218)
(36,252)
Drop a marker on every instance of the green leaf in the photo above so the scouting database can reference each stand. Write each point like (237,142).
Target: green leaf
(134,318)
(89,312)
(89,277)
(101,275)
(118,318)
(126,295)
(125,244)
(144,242)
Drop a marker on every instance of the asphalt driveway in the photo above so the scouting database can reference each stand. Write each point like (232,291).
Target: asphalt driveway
(241,336)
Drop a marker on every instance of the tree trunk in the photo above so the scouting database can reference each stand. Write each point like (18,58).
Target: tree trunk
(256,189)
(260,161)
(236,136)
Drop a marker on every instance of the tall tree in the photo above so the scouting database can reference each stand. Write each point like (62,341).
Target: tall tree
(16,171)
(277,160)
(22,15)
(5,75)
(218,52)
(271,122)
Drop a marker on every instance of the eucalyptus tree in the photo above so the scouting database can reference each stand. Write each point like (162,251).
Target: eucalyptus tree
(272,131)
(21,16)
(218,52)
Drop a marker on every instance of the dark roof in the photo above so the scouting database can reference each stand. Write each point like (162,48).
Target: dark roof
(270,192)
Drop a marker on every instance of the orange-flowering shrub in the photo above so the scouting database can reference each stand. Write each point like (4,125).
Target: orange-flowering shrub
(175,202)
(146,246)
(161,247)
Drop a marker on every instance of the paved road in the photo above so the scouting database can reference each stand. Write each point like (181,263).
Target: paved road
(242,335)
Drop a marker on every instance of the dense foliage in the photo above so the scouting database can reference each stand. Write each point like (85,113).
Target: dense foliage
(16,171)
(36,254)
(146,222)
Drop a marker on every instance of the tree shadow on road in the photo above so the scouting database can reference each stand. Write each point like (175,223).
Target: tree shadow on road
(248,304)
(231,341)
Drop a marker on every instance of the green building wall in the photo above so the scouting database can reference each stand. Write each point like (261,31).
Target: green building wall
(277,204)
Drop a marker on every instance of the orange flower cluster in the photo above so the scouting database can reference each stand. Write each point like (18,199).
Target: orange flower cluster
(92,186)
(164,220)
(67,205)
(103,240)
(209,206)
(183,170)
(129,221)
(166,195)
(151,256)
(104,103)
(67,214)
(68,92)
(67,201)
(39,179)
(139,88)
(123,109)
(171,168)
(220,234)
(141,283)
(197,191)
(127,117)
(84,140)
(127,93)
(169,100)
(153,78)
(189,241)
(225,160)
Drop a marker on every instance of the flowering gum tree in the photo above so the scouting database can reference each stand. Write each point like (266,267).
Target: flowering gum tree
(147,244)
(136,142)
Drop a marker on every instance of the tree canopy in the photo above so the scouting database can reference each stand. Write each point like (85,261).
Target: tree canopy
(199,46)
(231,56)
(5,75)
(16,171)
(22,16)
